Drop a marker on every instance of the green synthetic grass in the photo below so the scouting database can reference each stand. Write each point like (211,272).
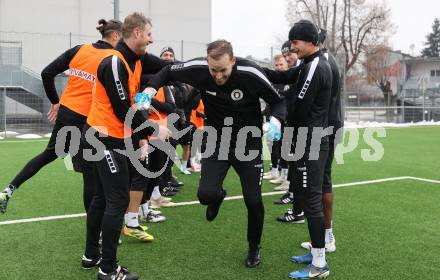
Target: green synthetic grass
(384,231)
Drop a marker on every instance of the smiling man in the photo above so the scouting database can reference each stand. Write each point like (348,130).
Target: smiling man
(310,111)
(231,88)
(118,81)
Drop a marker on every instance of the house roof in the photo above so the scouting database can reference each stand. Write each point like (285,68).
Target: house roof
(420,59)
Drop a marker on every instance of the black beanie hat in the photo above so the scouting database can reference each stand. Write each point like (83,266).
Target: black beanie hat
(304,30)
(285,48)
(322,35)
(166,49)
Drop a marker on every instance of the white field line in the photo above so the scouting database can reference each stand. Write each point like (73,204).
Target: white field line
(24,141)
(368,182)
(48,218)
(425,180)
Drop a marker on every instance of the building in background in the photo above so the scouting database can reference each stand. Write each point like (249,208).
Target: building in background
(45,28)
(33,33)
(420,87)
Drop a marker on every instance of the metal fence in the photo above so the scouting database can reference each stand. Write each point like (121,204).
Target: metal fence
(39,49)
(405,108)
(23,103)
(395,114)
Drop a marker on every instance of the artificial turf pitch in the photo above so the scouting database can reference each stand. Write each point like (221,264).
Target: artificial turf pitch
(385,230)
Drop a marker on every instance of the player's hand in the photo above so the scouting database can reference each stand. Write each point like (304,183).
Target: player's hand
(142,101)
(143,144)
(53,112)
(150,91)
(164,133)
(272,128)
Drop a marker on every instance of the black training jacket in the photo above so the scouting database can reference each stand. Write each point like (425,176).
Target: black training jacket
(312,90)
(121,106)
(238,98)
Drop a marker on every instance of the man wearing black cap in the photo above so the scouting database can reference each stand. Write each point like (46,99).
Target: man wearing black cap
(167,53)
(289,55)
(310,114)
(277,164)
(335,120)
(294,215)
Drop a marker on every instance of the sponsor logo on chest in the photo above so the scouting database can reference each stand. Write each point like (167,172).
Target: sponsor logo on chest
(82,74)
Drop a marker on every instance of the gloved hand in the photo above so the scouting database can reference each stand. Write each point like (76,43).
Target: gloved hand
(142,101)
(272,128)
(150,91)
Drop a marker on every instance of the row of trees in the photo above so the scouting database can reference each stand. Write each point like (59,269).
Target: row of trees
(358,33)
(353,26)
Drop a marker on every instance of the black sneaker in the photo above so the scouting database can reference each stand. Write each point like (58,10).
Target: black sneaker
(291,218)
(254,258)
(174,186)
(87,263)
(285,199)
(175,183)
(121,273)
(169,188)
(212,209)
(178,187)
(167,192)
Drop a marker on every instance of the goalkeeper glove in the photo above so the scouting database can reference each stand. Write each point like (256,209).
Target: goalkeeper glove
(143,99)
(272,128)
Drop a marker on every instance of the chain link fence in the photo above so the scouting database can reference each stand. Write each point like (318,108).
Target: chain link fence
(23,102)
(405,108)
(24,105)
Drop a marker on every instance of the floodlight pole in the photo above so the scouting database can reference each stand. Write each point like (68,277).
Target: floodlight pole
(423,104)
(4,111)
(403,104)
(423,83)
(116,9)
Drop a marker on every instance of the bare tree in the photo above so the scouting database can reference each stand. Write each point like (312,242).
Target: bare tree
(322,13)
(379,71)
(351,25)
(376,65)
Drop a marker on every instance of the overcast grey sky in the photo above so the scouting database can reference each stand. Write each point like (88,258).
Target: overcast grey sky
(254,25)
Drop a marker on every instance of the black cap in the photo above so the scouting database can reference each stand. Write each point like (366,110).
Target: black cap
(166,49)
(285,48)
(304,30)
(322,35)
